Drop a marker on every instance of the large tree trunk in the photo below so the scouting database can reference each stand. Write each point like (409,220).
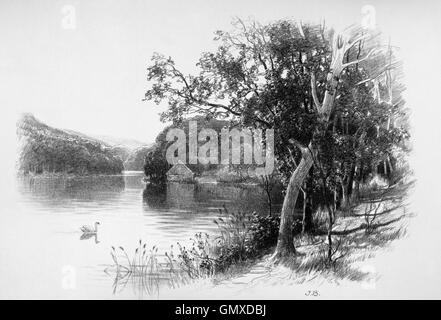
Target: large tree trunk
(285,243)
(344,196)
(347,186)
(357,180)
(350,184)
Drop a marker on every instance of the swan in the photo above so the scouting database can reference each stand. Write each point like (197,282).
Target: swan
(89,229)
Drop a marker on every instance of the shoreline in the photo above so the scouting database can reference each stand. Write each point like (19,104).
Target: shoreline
(301,272)
(48,175)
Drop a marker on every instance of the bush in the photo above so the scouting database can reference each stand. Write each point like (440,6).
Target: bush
(264,232)
(196,261)
(232,244)
(243,237)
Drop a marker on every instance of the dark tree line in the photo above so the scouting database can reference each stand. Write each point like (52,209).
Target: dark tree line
(49,150)
(156,165)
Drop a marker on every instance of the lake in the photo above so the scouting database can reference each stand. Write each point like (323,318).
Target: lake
(42,255)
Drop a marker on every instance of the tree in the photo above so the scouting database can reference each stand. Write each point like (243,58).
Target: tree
(285,76)
(156,166)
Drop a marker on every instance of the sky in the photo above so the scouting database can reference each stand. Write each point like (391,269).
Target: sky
(90,76)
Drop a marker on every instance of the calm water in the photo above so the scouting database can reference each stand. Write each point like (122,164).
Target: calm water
(42,255)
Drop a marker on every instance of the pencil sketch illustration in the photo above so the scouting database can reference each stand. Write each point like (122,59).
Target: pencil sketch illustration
(273,155)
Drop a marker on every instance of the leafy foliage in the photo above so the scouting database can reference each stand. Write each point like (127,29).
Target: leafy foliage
(261,75)
(156,166)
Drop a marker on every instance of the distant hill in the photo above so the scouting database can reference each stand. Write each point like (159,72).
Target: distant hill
(131,144)
(44,149)
(132,152)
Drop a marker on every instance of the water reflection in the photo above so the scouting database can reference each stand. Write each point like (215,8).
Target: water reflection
(62,191)
(86,236)
(155,196)
(52,209)
(209,197)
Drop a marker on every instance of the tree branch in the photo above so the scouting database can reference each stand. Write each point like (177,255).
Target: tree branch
(359,60)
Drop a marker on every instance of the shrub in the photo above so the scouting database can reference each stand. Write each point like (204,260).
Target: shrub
(197,261)
(246,237)
(231,245)
(264,231)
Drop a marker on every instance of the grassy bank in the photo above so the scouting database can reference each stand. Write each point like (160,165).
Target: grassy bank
(244,243)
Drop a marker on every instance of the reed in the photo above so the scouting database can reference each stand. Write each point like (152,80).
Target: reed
(240,237)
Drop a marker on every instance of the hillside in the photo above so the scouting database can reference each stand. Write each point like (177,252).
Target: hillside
(130,144)
(131,151)
(44,149)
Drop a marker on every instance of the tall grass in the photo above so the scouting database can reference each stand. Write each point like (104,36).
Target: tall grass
(143,268)
(240,237)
